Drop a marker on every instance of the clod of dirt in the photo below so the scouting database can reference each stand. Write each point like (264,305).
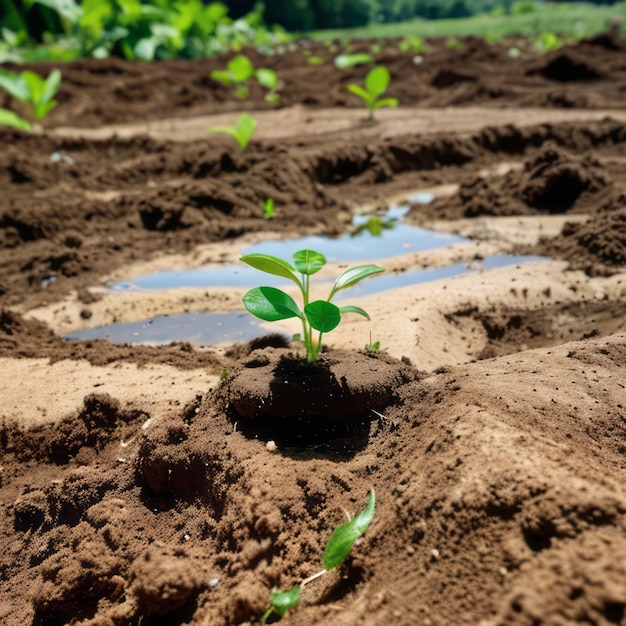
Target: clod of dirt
(598,246)
(278,391)
(554,180)
(568,67)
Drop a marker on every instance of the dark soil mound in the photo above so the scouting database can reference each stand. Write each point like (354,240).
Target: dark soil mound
(279,394)
(568,67)
(598,246)
(552,181)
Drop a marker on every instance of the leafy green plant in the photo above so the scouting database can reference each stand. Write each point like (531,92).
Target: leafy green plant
(35,93)
(337,549)
(240,70)
(547,42)
(376,83)
(242,131)
(271,304)
(413,44)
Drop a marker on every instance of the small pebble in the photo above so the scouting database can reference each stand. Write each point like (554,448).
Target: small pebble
(271,446)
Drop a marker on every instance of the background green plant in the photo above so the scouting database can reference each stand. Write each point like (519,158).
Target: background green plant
(376,83)
(35,93)
(241,131)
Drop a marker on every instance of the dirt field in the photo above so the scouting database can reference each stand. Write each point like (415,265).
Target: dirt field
(137,485)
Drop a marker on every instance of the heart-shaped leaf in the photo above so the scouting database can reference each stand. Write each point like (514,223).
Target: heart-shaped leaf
(344,536)
(323,316)
(270,304)
(309,262)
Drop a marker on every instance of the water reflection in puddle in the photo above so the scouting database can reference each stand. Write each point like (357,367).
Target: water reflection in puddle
(212,328)
(202,329)
(365,243)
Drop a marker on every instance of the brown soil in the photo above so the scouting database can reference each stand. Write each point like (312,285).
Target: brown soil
(138,488)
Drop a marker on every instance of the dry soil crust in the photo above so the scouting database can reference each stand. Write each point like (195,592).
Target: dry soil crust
(131,492)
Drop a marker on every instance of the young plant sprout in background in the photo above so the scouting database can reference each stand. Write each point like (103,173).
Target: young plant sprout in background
(336,552)
(35,93)
(242,131)
(269,210)
(376,83)
(271,304)
(240,70)
(345,61)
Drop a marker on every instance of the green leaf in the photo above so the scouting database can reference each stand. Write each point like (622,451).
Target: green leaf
(8,118)
(344,536)
(282,601)
(270,304)
(267,78)
(271,265)
(322,315)
(269,209)
(355,309)
(386,102)
(353,275)
(344,61)
(15,84)
(51,86)
(66,8)
(377,81)
(222,76)
(244,128)
(309,262)
(241,68)
(359,91)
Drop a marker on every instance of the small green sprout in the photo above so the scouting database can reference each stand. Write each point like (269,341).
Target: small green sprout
(242,131)
(372,347)
(224,374)
(413,44)
(337,549)
(238,71)
(376,83)
(269,210)
(269,80)
(271,304)
(345,61)
(452,43)
(315,60)
(35,93)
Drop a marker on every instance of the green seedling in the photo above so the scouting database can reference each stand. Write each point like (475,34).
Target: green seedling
(375,226)
(35,93)
(269,210)
(376,83)
(271,304)
(413,44)
(336,552)
(242,131)
(372,346)
(315,60)
(238,72)
(269,80)
(345,61)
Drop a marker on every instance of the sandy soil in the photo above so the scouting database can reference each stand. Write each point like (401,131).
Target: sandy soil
(138,484)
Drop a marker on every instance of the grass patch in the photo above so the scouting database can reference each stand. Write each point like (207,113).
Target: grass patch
(572,20)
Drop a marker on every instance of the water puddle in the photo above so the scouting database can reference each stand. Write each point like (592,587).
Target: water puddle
(374,236)
(205,329)
(202,329)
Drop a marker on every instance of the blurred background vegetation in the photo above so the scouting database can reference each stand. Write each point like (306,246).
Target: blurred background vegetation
(32,30)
